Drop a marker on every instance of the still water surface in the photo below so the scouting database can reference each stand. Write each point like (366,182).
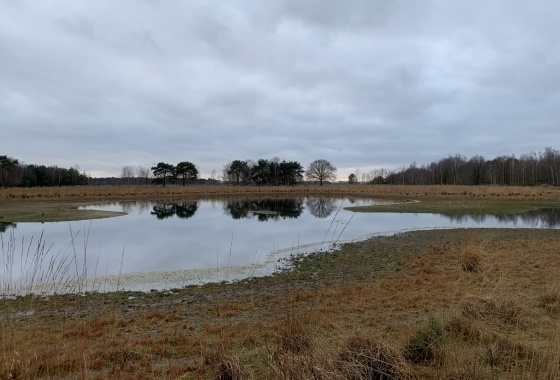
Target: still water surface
(163,246)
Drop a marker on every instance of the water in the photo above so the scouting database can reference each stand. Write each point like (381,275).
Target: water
(163,246)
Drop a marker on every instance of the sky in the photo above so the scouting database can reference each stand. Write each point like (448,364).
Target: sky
(364,84)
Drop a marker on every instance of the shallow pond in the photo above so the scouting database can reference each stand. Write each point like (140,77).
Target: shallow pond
(163,245)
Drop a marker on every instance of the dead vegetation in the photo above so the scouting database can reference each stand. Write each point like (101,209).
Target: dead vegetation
(470,258)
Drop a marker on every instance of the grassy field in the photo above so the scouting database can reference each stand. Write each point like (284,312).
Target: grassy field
(443,304)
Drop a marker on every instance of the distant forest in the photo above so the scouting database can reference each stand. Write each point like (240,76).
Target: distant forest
(13,173)
(527,170)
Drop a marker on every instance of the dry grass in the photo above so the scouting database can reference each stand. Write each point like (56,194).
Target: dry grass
(487,309)
(470,259)
(362,358)
(139,192)
(371,308)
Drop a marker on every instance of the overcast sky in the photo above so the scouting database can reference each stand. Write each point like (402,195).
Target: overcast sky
(363,84)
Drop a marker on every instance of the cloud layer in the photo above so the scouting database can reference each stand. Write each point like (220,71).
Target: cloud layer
(363,84)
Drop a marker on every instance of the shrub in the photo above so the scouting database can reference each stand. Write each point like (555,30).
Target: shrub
(424,346)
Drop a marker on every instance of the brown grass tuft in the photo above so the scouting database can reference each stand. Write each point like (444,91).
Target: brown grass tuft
(463,328)
(550,302)
(486,309)
(363,358)
(224,365)
(470,259)
(293,336)
(230,369)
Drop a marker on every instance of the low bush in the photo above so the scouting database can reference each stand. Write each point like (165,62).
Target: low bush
(425,345)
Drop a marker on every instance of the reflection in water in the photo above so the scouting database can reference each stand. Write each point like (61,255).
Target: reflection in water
(138,207)
(464,219)
(213,247)
(264,210)
(183,210)
(5,225)
(321,207)
(547,218)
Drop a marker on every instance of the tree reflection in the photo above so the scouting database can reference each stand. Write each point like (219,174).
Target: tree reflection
(548,218)
(457,218)
(186,210)
(138,207)
(264,210)
(183,210)
(5,225)
(321,207)
(237,209)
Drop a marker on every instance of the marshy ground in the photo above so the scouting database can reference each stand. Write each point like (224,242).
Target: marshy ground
(443,304)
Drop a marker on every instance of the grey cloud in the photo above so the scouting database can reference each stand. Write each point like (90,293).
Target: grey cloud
(362,83)
(355,14)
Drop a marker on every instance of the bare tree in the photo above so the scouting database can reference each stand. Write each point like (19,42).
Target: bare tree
(321,170)
(143,175)
(127,174)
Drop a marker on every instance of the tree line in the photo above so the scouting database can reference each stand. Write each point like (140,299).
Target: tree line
(528,170)
(262,172)
(273,172)
(13,173)
(185,172)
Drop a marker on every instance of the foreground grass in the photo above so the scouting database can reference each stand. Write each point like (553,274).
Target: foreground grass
(445,304)
(61,204)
